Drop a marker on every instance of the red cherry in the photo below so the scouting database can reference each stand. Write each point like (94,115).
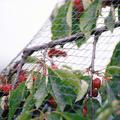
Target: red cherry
(76,1)
(52,102)
(6,88)
(51,52)
(84,110)
(54,52)
(96,83)
(78,5)
(22,78)
(94,92)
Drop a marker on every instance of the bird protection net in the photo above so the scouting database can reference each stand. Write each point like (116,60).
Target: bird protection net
(70,70)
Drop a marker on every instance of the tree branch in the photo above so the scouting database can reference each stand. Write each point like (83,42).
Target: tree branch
(29,51)
(96,37)
(98,31)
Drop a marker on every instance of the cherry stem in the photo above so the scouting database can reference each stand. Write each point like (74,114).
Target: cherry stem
(92,72)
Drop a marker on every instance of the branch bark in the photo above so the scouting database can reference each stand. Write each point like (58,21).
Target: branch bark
(96,32)
(96,37)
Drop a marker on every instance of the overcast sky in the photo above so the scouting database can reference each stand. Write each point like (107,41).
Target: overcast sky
(19,21)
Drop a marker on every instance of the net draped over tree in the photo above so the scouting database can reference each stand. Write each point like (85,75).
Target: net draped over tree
(70,70)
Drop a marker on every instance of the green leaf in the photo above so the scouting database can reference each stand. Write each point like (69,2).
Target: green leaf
(110,21)
(107,111)
(89,17)
(31,100)
(69,17)
(65,115)
(31,59)
(62,87)
(70,78)
(41,93)
(28,106)
(25,116)
(80,86)
(75,21)
(80,41)
(54,89)
(66,23)
(59,24)
(75,26)
(53,116)
(115,60)
(74,116)
(113,69)
(83,90)
(16,97)
(29,103)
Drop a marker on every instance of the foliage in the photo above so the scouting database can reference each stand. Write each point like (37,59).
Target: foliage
(15,99)
(114,70)
(89,17)
(59,26)
(110,21)
(61,94)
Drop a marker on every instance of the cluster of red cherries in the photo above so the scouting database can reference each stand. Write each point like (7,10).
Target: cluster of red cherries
(7,87)
(23,76)
(96,84)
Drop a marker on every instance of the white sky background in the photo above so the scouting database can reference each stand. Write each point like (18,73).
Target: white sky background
(19,22)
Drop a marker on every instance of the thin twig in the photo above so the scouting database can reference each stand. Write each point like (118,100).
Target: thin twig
(96,37)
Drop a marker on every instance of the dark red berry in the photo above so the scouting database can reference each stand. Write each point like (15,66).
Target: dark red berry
(6,88)
(96,83)
(22,76)
(94,93)
(52,102)
(57,53)
(84,110)
(78,5)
